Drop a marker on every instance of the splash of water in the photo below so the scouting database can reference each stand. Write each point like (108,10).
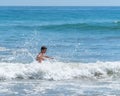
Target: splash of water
(59,70)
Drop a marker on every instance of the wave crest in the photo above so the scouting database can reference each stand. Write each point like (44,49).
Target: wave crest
(59,70)
(114,25)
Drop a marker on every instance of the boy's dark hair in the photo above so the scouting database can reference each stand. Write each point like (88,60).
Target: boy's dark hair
(43,47)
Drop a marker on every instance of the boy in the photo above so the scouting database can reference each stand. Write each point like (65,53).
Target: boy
(41,56)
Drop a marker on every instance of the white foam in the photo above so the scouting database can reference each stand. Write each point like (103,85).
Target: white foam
(3,49)
(59,70)
(117,21)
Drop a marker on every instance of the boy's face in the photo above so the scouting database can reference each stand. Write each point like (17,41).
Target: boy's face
(44,50)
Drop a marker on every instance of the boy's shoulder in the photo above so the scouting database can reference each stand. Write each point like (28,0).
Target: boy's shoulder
(40,54)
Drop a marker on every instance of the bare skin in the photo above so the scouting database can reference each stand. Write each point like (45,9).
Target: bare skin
(41,56)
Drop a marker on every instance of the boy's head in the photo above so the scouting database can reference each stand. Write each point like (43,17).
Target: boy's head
(43,49)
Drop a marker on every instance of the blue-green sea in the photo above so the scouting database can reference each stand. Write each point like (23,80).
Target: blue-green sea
(84,42)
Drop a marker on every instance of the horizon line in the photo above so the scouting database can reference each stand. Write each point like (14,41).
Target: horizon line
(59,6)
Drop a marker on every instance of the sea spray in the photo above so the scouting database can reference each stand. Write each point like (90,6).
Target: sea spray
(59,70)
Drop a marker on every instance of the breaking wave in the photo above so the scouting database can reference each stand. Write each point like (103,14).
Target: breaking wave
(59,71)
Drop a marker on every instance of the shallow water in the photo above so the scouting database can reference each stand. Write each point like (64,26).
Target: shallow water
(60,88)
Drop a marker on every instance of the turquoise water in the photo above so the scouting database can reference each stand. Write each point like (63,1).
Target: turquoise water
(83,40)
(72,34)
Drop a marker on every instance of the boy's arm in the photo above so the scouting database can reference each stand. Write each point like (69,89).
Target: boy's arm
(48,57)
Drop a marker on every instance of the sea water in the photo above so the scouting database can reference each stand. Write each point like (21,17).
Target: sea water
(85,44)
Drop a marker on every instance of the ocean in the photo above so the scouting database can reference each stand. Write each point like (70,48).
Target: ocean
(84,42)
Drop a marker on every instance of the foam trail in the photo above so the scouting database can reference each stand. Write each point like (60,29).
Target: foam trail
(117,21)
(3,49)
(59,70)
